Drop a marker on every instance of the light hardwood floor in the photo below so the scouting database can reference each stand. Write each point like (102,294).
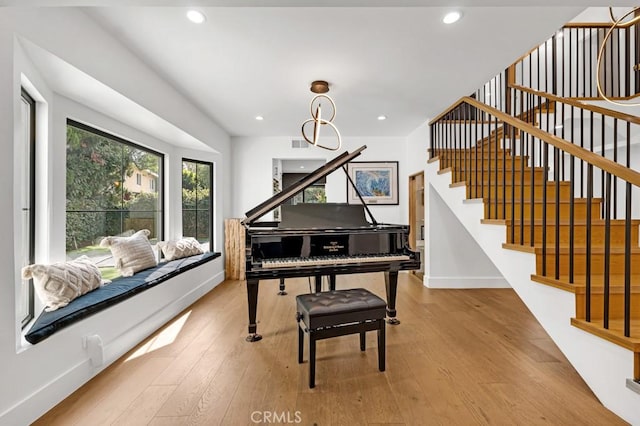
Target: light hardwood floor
(458,357)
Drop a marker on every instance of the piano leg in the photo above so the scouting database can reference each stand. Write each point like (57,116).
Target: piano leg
(332,282)
(252,298)
(282,292)
(391,284)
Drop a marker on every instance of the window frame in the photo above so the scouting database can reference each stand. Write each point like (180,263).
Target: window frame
(31,153)
(211,199)
(131,144)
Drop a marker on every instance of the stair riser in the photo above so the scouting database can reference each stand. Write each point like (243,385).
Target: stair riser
(471,162)
(580,211)
(488,144)
(470,178)
(616,306)
(580,264)
(482,146)
(565,191)
(470,152)
(579,238)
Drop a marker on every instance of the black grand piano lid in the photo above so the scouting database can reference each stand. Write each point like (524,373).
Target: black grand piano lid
(282,196)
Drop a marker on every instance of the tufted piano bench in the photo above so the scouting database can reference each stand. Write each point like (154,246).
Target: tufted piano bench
(337,313)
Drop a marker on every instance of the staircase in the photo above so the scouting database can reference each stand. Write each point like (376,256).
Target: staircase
(574,258)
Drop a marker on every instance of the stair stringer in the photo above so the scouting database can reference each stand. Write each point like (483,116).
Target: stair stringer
(604,366)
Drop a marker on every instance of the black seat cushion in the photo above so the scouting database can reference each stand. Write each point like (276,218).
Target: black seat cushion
(120,289)
(331,308)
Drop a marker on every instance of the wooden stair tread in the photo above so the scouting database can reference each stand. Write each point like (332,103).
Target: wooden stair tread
(493,170)
(519,247)
(550,200)
(563,222)
(615,332)
(577,222)
(616,283)
(527,183)
(564,249)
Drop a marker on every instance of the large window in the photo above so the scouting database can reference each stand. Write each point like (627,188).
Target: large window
(106,194)
(197,179)
(27,197)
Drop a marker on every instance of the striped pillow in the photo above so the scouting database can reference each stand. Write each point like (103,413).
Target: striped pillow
(131,254)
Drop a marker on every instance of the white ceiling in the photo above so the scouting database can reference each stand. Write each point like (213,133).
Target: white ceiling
(402,62)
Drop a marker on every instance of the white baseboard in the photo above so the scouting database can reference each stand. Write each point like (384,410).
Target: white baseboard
(465,282)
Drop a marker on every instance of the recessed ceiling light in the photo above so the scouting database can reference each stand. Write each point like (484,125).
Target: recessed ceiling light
(302,167)
(382,117)
(259,117)
(451,17)
(196,16)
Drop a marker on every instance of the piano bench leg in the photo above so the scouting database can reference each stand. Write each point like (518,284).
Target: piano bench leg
(300,345)
(363,341)
(312,360)
(381,345)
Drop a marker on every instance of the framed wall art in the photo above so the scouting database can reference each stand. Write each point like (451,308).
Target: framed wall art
(377,182)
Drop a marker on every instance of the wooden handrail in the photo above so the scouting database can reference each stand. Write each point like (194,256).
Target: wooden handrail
(446,111)
(599,24)
(602,163)
(569,101)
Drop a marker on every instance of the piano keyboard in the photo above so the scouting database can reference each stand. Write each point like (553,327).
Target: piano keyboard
(329,260)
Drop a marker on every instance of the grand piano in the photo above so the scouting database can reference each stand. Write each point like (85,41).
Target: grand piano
(322,240)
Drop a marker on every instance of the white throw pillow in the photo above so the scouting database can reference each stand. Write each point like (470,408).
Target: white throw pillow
(131,254)
(58,284)
(176,249)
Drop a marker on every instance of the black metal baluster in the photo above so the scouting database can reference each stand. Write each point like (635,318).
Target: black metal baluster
(607,250)
(475,182)
(513,183)
(545,179)
(522,157)
(482,154)
(581,146)
(602,132)
(466,141)
(538,68)
(588,243)
(556,175)
(627,263)
(533,187)
(497,147)
(615,158)
(571,217)
(504,170)
(546,67)
(627,55)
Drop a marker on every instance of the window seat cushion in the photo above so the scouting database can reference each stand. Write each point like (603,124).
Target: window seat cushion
(119,289)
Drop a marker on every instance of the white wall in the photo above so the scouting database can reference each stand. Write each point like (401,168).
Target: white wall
(36,377)
(417,146)
(252,171)
(453,259)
